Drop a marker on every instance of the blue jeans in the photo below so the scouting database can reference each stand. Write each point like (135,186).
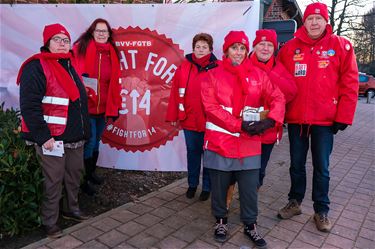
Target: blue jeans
(97,124)
(194,146)
(321,148)
(266,153)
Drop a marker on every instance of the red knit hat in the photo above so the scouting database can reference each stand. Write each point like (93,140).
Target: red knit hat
(316,8)
(266,35)
(235,37)
(53,29)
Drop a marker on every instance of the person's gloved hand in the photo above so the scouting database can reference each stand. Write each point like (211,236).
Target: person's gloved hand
(338,126)
(257,127)
(112,118)
(245,125)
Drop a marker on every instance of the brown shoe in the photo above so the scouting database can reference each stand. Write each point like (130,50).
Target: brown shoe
(76,216)
(291,209)
(53,231)
(322,222)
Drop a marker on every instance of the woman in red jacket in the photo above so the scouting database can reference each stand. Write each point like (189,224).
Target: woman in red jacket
(185,106)
(96,60)
(232,143)
(263,57)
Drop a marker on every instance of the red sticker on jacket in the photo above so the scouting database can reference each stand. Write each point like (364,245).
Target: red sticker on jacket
(148,62)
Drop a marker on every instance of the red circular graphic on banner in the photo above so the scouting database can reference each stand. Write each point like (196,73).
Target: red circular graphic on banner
(148,62)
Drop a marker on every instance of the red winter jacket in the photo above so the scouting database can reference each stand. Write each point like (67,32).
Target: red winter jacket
(281,78)
(104,65)
(185,104)
(326,75)
(224,96)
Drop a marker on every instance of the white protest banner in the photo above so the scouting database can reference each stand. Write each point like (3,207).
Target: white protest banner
(152,40)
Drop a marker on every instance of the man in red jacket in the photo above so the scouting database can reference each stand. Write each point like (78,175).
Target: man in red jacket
(326,75)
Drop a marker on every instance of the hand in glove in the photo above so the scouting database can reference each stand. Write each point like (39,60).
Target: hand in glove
(338,126)
(257,127)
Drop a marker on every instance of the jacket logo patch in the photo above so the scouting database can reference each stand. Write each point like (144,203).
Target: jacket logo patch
(331,52)
(300,70)
(323,63)
(324,55)
(298,57)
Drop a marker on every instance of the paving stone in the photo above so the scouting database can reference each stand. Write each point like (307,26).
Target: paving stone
(329,246)
(268,222)
(344,232)
(339,241)
(131,228)
(93,244)
(65,242)
(189,213)
(163,212)
(291,225)
(159,230)
(154,202)
(353,215)
(168,196)
(190,232)
(275,243)
(367,234)
(364,243)
(112,238)
(171,242)
(238,239)
(228,245)
(297,244)
(174,221)
(178,190)
(199,244)
(124,216)
(106,224)
(140,209)
(310,238)
(282,234)
(87,233)
(147,220)
(348,223)
(124,245)
(176,205)
(369,224)
(143,240)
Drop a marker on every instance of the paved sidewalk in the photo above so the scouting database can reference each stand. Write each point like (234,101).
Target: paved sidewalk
(166,219)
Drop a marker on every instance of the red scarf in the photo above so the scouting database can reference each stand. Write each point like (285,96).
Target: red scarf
(240,87)
(203,61)
(63,77)
(267,67)
(89,67)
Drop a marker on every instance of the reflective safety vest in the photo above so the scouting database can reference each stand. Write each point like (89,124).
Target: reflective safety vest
(55,104)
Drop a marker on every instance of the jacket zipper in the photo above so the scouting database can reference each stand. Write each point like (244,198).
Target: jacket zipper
(100,60)
(79,101)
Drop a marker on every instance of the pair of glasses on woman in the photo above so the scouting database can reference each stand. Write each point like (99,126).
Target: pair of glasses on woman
(101,31)
(59,40)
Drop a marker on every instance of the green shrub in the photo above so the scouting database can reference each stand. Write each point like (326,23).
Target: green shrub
(20,178)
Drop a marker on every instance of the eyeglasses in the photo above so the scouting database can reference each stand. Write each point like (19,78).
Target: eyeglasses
(101,31)
(59,40)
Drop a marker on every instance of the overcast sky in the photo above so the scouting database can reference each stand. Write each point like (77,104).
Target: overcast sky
(368,4)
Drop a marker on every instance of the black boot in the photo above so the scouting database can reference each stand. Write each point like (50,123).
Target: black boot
(94,178)
(221,229)
(85,186)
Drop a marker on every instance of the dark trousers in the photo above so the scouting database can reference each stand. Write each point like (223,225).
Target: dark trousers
(97,125)
(194,146)
(56,171)
(265,157)
(321,148)
(247,181)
